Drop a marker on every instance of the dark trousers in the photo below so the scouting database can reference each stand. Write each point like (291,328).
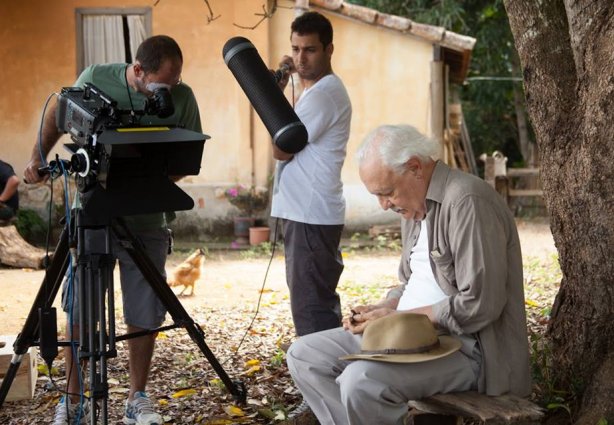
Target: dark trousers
(6,212)
(313,268)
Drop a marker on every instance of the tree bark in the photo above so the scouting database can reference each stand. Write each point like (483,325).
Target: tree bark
(524,141)
(16,252)
(565,49)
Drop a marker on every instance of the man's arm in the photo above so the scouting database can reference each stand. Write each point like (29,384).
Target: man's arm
(478,250)
(281,155)
(9,188)
(49,137)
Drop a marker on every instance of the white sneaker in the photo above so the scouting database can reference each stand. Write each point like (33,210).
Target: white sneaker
(301,410)
(140,411)
(68,413)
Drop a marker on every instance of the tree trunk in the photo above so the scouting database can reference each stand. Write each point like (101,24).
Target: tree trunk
(524,141)
(16,252)
(567,60)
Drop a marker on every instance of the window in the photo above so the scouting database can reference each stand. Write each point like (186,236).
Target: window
(110,35)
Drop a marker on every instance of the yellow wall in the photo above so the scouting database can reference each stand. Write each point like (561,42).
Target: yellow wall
(386,74)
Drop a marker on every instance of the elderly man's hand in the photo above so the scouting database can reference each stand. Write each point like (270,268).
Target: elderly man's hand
(361,316)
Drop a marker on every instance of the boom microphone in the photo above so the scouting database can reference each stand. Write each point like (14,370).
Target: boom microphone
(288,132)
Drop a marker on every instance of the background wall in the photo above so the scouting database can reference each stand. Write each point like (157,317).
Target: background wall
(386,74)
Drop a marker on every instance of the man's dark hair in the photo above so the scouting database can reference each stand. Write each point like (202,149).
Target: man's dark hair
(155,50)
(314,23)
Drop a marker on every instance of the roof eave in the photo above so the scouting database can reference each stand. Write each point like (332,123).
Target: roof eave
(462,44)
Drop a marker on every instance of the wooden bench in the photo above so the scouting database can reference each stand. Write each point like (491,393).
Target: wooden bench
(449,409)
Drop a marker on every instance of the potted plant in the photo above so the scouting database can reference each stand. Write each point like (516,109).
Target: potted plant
(249,200)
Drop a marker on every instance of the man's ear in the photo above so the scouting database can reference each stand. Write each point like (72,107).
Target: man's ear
(330,49)
(138,69)
(414,165)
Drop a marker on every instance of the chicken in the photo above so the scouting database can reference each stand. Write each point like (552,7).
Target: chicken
(187,273)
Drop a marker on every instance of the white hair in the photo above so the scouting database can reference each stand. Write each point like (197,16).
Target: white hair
(396,144)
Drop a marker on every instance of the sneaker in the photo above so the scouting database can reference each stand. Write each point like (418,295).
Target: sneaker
(140,411)
(66,413)
(301,415)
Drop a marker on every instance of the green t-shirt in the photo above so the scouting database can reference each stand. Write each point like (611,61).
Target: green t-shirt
(111,79)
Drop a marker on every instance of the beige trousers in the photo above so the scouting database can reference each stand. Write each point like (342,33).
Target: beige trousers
(367,392)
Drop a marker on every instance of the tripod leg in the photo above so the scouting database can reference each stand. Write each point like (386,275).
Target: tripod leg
(172,304)
(44,298)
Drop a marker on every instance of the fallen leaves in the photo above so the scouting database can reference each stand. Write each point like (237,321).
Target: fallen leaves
(188,391)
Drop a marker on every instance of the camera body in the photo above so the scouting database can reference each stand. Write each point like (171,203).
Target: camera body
(86,113)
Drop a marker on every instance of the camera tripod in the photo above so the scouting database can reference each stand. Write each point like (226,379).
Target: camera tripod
(97,330)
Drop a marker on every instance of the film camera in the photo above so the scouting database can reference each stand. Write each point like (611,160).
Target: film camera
(82,112)
(125,167)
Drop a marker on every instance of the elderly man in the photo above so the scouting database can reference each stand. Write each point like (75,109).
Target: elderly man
(461,267)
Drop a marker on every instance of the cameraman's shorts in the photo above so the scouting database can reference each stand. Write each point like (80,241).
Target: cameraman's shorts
(142,308)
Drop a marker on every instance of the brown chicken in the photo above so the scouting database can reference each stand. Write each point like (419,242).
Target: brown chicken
(187,273)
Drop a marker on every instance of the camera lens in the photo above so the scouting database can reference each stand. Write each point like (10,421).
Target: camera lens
(160,103)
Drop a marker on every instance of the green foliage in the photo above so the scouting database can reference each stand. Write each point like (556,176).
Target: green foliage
(381,243)
(488,105)
(544,376)
(259,251)
(277,360)
(31,226)
(248,199)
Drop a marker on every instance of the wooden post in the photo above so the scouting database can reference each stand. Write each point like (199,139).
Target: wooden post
(437,100)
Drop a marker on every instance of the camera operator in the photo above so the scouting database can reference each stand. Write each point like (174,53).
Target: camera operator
(158,64)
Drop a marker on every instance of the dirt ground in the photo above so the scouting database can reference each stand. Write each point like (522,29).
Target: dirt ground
(231,280)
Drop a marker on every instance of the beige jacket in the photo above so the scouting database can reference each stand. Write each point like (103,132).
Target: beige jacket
(475,257)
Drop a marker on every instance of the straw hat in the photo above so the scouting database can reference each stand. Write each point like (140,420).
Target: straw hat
(403,338)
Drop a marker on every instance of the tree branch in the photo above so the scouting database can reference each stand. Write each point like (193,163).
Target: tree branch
(265,14)
(210,16)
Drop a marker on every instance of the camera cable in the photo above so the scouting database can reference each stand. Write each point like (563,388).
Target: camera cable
(132,113)
(273,248)
(266,273)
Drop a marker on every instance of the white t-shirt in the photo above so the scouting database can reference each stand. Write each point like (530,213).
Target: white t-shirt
(309,188)
(422,288)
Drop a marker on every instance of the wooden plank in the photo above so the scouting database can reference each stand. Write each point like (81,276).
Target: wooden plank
(23,385)
(522,172)
(503,409)
(473,167)
(525,192)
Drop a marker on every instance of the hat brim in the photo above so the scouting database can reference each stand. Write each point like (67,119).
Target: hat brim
(447,346)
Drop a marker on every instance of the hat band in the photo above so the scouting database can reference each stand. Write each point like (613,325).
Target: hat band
(403,350)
